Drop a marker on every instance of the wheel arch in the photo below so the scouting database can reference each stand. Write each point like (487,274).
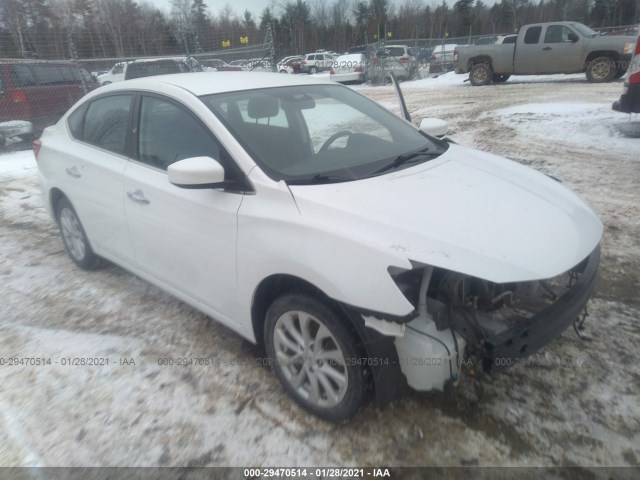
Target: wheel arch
(388,381)
(479,59)
(615,56)
(55,195)
(271,288)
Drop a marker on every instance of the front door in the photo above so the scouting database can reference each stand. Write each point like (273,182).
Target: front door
(184,238)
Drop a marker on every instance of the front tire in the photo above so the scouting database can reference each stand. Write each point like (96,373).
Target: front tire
(74,237)
(601,69)
(314,355)
(480,74)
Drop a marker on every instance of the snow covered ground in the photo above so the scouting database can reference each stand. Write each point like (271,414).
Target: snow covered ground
(576,403)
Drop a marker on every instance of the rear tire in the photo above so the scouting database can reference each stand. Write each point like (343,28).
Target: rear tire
(314,355)
(480,74)
(601,69)
(74,237)
(313,70)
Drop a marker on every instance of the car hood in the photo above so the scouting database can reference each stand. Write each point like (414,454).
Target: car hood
(466,211)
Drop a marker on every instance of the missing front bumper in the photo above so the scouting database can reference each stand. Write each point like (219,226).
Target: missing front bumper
(509,347)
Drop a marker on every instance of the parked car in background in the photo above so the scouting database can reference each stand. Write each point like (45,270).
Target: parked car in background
(116,74)
(423,54)
(349,68)
(548,48)
(316,62)
(292,64)
(442,58)
(38,92)
(364,253)
(218,65)
(398,59)
(258,65)
(629,101)
(151,67)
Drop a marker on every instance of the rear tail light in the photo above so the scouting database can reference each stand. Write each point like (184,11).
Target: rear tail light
(358,68)
(37,144)
(634,68)
(18,96)
(404,59)
(455,56)
(332,71)
(433,58)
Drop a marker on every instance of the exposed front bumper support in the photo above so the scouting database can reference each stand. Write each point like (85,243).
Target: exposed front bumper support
(526,338)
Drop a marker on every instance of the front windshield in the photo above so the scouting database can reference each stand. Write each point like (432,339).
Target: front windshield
(322,133)
(584,30)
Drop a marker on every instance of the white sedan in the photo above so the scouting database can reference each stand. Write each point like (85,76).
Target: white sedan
(366,254)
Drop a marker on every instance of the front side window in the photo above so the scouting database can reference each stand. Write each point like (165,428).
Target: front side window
(106,123)
(168,133)
(310,133)
(557,34)
(117,69)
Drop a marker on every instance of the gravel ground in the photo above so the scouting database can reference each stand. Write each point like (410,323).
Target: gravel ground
(576,404)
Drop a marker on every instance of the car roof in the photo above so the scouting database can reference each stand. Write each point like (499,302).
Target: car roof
(207,83)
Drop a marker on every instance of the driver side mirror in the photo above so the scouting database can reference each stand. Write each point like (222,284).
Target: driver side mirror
(434,127)
(572,37)
(196,172)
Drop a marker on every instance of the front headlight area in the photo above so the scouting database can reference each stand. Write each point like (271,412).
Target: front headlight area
(459,318)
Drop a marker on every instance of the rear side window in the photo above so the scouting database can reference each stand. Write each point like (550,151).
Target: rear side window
(510,40)
(22,76)
(48,75)
(532,35)
(106,123)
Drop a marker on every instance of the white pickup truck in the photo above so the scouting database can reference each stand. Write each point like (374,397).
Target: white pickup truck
(546,48)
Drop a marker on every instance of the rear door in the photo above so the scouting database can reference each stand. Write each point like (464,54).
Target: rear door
(92,169)
(529,54)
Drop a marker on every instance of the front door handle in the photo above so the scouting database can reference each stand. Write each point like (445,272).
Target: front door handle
(73,172)
(546,48)
(138,197)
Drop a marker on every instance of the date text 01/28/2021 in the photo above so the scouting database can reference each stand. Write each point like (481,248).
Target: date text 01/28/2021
(324,472)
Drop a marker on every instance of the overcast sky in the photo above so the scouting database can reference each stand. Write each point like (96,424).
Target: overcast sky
(239,6)
(257,6)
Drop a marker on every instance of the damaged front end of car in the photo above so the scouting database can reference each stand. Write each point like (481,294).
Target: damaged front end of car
(464,324)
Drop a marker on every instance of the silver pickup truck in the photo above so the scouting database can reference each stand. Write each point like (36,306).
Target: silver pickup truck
(545,48)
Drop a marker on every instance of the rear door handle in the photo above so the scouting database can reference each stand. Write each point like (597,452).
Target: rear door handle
(138,197)
(73,172)
(546,48)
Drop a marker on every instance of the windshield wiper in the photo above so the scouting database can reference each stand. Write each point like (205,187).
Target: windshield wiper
(405,158)
(318,180)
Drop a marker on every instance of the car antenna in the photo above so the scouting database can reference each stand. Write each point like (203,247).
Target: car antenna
(403,105)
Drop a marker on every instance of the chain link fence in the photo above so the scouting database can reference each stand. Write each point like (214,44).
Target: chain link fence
(36,93)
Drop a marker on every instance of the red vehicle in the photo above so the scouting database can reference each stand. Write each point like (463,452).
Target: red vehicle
(39,92)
